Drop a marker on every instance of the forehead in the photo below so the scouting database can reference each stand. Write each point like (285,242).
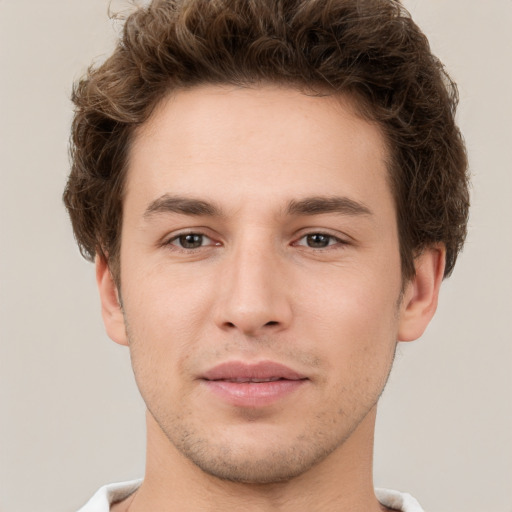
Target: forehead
(264,144)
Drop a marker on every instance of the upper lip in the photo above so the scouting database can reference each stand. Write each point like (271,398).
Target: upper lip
(241,371)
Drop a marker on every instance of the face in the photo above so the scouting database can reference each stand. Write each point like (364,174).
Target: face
(260,277)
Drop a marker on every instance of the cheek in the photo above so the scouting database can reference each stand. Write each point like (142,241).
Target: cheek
(351,301)
(160,349)
(165,320)
(354,320)
(161,297)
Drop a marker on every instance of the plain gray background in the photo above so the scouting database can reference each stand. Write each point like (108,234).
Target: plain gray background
(70,415)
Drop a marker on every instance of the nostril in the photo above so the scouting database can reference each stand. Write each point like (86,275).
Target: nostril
(272,322)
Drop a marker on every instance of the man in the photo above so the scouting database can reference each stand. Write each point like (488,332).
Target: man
(272,192)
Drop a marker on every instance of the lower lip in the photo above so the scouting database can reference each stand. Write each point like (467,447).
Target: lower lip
(253,394)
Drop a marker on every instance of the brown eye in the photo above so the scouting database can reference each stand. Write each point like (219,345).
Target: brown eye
(190,241)
(318,240)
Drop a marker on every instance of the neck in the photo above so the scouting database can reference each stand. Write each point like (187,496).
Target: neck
(342,481)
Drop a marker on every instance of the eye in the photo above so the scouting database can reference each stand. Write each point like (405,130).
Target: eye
(318,240)
(191,241)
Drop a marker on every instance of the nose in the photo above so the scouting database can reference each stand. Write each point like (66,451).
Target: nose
(253,296)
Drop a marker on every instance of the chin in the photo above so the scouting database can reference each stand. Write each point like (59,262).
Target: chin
(273,468)
(256,459)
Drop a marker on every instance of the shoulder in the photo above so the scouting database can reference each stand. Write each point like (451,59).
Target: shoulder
(109,494)
(399,501)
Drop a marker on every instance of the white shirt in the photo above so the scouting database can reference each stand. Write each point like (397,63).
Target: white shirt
(112,493)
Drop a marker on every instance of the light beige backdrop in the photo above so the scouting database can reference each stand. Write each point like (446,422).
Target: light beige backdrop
(70,416)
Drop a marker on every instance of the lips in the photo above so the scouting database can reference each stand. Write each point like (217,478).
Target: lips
(243,372)
(252,385)
(252,379)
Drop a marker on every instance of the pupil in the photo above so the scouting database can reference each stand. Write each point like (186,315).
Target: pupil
(191,241)
(318,240)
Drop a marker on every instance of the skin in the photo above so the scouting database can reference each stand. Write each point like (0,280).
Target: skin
(320,292)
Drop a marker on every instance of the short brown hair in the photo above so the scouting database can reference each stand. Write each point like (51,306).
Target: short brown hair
(370,49)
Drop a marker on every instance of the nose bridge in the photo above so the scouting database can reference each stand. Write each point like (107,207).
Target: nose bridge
(254,298)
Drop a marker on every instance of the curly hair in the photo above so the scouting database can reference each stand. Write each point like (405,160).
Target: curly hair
(369,49)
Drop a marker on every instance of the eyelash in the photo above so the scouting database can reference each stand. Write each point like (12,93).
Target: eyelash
(190,233)
(332,241)
(336,241)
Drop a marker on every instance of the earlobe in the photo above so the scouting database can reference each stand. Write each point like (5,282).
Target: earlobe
(111,309)
(421,293)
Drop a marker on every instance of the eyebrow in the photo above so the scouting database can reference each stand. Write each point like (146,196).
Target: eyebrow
(308,206)
(333,204)
(183,205)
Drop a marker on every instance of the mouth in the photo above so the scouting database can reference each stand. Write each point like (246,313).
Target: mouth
(252,385)
(253,380)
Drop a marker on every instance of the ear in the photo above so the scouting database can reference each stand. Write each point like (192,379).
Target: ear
(111,309)
(421,293)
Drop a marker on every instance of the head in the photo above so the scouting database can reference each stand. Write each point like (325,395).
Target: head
(266,184)
(370,50)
